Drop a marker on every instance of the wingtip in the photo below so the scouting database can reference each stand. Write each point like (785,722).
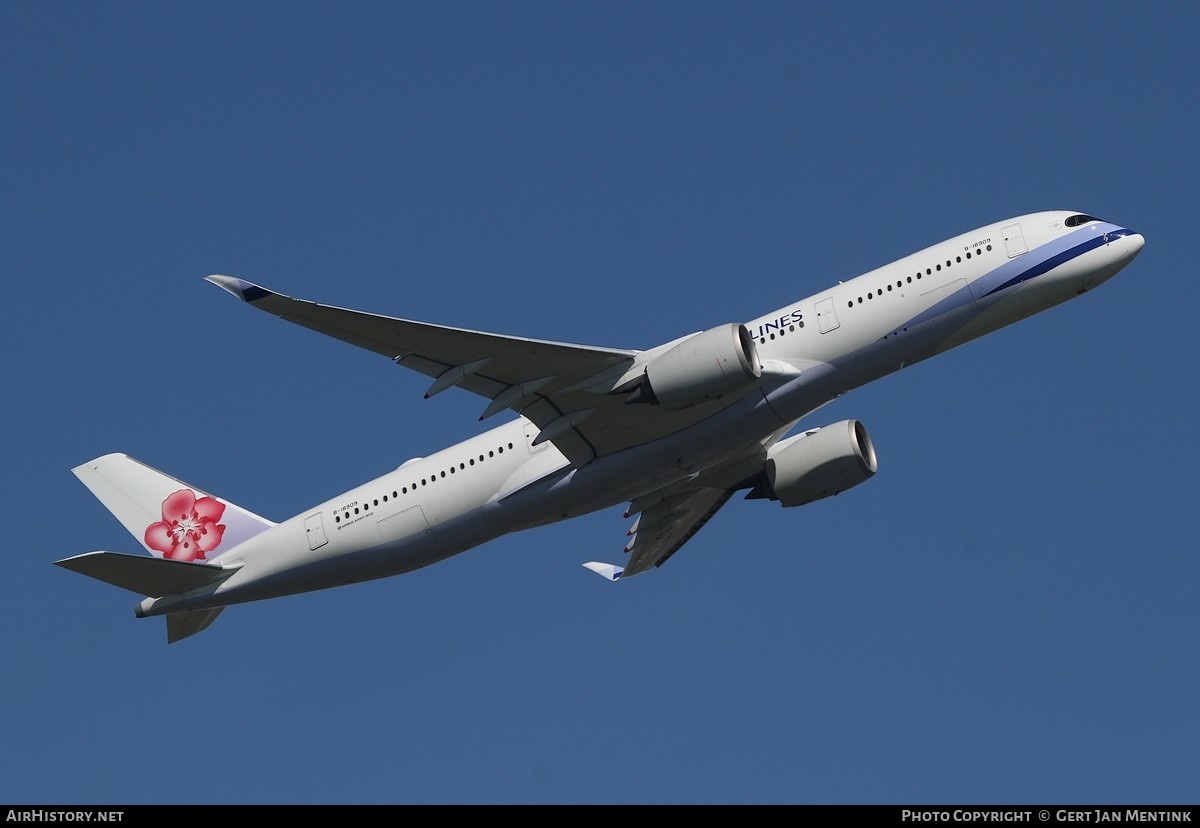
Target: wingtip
(228,283)
(610,572)
(246,291)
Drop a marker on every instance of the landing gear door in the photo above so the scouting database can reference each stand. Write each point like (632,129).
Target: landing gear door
(1014,241)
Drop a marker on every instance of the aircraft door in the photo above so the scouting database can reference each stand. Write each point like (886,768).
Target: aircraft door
(826,318)
(314,530)
(1014,240)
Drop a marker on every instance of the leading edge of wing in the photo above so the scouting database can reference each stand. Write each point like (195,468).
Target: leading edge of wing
(308,313)
(556,385)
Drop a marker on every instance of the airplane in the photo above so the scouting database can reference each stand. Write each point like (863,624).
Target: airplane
(673,431)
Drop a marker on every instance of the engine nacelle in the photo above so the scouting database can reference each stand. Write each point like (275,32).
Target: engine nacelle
(704,367)
(818,464)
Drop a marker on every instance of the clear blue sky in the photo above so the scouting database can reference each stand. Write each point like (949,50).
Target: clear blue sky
(1006,613)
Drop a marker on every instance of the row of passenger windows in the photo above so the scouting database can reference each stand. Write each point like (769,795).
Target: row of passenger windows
(425,481)
(927,272)
(762,339)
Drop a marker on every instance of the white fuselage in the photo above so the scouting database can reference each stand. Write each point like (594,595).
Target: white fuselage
(812,351)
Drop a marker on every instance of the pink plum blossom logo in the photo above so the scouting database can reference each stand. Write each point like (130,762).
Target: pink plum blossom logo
(188,528)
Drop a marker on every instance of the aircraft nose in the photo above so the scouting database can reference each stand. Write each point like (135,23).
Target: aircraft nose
(1128,246)
(1121,246)
(1124,243)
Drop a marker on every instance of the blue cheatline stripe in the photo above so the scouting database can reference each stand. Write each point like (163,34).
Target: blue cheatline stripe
(1015,271)
(1065,256)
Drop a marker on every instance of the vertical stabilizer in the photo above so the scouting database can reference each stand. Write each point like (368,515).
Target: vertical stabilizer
(170,518)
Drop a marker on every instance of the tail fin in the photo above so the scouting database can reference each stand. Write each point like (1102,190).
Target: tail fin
(183,527)
(170,518)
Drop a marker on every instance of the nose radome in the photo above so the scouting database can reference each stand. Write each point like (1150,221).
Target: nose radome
(1136,242)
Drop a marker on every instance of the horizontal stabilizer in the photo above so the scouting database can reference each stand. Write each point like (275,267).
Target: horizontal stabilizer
(152,577)
(610,571)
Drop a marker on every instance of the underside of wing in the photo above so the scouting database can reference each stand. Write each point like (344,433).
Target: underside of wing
(663,528)
(668,518)
(573,393)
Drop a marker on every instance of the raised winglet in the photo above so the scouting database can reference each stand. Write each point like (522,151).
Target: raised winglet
(609,571)
(246,291)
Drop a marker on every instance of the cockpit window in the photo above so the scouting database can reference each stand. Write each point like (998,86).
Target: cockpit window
(1075,221)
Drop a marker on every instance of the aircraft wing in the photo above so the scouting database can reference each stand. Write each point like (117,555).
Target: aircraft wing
(669,517)
(566,390)
(664,527)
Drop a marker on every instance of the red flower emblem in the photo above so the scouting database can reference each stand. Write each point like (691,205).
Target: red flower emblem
(188,527)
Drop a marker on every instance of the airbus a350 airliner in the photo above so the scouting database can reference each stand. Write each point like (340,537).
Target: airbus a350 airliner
(673,432)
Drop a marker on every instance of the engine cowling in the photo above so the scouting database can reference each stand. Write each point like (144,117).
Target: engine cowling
(704,367)
(818,464)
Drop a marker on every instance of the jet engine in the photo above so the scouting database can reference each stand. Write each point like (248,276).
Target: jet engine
(702,368)
(817,464)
